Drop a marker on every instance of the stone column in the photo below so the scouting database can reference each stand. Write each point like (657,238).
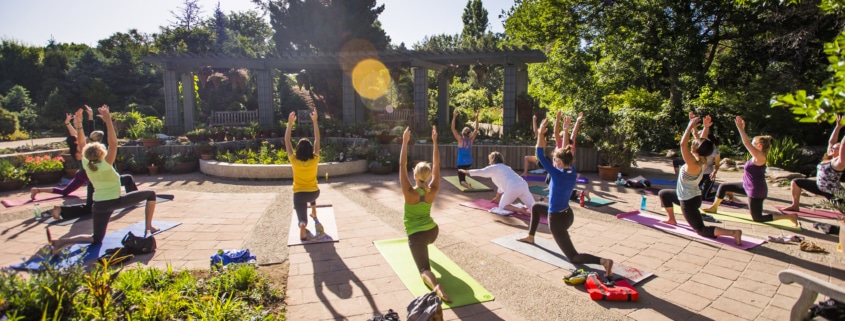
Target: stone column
(444,78)
(189,108)
(171,102)
(509,98)
(264,86)
(420,98)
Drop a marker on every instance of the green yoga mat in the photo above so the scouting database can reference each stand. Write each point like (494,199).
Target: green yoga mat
(595,201)
(459,285)
(745,218)
(476,185)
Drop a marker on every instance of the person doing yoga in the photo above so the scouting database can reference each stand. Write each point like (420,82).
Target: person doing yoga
(560,215)
(304,164)
(75,141)
(686,193)
(510,185)
(754,180)
(465,139)
(419,226)
(98,163)
(828,172)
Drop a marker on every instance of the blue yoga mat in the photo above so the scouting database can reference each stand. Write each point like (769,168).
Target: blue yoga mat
(658,181)
(595,201)
(82,253)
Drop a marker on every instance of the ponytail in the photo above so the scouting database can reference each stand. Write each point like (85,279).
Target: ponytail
(94,153)
(421,183)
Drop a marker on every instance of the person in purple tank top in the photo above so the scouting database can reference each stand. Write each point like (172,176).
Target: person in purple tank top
(754,180)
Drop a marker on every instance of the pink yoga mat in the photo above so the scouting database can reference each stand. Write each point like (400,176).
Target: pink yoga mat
(41,197)
(809,212)
(682,228)
(486,205)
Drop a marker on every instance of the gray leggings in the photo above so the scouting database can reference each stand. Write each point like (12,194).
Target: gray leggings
(102,210)
(300,204)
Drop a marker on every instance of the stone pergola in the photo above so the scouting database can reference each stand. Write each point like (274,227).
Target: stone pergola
(181,67)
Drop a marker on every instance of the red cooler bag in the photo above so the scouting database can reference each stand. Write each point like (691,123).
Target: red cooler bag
(619,291)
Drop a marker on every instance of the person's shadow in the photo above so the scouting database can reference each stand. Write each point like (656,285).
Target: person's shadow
(452,285)
(331,272)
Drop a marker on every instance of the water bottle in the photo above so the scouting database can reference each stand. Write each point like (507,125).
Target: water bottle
(582,199)
(36,212)
(642,203)
(619,180)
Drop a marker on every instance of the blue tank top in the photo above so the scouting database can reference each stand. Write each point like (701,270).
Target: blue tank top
(465,152)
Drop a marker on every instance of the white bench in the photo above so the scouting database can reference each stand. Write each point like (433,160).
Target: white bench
(233,118)
(811,287)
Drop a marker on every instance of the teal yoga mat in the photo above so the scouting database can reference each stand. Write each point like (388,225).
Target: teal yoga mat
(82,253)
(595,201)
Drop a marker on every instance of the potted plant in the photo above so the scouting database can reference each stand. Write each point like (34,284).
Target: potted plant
(205,149)
(616,150)
(44,169)
(11,178)
(154,161)
(384,163)
(136,164)
(152,126)
(180,163)
(120,161)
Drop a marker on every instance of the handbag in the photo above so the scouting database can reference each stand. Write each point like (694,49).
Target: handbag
(426,308)
(138,245)
(618,290)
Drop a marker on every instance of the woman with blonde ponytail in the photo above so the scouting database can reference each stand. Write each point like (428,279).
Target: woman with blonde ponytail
(419,225)
(98,162)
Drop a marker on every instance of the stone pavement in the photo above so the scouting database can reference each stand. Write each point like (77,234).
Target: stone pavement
(350,280)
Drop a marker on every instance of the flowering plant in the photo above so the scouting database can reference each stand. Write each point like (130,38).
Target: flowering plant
(384,158)
(9,173)
(43,164)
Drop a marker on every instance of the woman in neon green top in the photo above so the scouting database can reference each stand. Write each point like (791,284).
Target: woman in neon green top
(419,226)
(304,165)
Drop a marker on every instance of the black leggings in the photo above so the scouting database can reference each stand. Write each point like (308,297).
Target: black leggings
(418,242)
(559,223)
(689,208)
(811,186)
(102,210)
(706,185)
(79,210)
(461,176)
(755,205)
(300,204)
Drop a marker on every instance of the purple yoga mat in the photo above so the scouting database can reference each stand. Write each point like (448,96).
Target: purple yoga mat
(534,178)
(809,212)
(486,205)
(682,228)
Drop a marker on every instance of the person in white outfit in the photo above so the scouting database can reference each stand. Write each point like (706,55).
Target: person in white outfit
(510,185)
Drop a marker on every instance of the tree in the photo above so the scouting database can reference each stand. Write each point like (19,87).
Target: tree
(187,16)
(475,20)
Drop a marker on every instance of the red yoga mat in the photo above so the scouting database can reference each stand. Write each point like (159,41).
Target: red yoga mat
(486,205)
(809,212)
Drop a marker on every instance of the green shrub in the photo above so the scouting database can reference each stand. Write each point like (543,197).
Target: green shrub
(785,154)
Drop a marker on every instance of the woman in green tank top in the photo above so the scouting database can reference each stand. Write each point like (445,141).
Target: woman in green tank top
(419,226)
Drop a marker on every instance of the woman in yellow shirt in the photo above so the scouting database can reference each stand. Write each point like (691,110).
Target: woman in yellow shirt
(304,164)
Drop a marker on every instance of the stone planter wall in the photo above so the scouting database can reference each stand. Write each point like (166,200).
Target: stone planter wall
(229,170)
(586,158)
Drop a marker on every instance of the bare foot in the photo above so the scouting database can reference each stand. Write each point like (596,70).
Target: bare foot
(153,229)
(465,184)
(32,192)
(303,233)
(670,222)
(439,290)
(709,210)
(791,208)
(524,174)
(608,268)
(737,237)
(56,213)
(528,239)
(793,218)
(314,213)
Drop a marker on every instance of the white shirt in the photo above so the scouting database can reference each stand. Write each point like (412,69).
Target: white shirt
(501,174)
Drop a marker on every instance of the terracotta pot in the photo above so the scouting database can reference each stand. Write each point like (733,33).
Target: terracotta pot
(150,142)
(206,156)
(608,173)
(153,170)
(46,178)
(10,185)
(381,170)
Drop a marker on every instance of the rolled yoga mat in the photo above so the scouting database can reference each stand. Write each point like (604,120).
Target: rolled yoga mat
(476,185)
(684,229)
(458,284)
(83,253)
(323,230)
(546,250)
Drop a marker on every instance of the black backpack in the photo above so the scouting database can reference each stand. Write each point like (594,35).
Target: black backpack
(829,309)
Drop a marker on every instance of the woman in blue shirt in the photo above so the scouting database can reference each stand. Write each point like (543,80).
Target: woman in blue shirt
(465,139)
(559,213)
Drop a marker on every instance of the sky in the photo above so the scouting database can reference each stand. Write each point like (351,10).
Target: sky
(34,22)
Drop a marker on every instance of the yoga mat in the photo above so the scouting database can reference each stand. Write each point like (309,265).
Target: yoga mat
(546,250)
(486,205)
(323,229)
(534,178)
(458,284)
(658,181)
(684,229)
(809,212)
(733,204)
(47,219)
(476,185)
(650,190)
(82,253)
(594,201)
(746,218)
(41,197)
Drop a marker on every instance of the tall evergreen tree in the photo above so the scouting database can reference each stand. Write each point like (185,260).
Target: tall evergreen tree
(475,20)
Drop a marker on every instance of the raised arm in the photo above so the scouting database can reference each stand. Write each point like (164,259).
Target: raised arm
(70,129)
(80,131)
(541,134)
(435,162)
(404,180)
(693,166)
(706,131)
(557,126)
(834,136)
(455,131)
(105,115)
(291,121)
(475,132)
(758,156)
(575,128)
(316,132)
(534,125)
(567,123)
